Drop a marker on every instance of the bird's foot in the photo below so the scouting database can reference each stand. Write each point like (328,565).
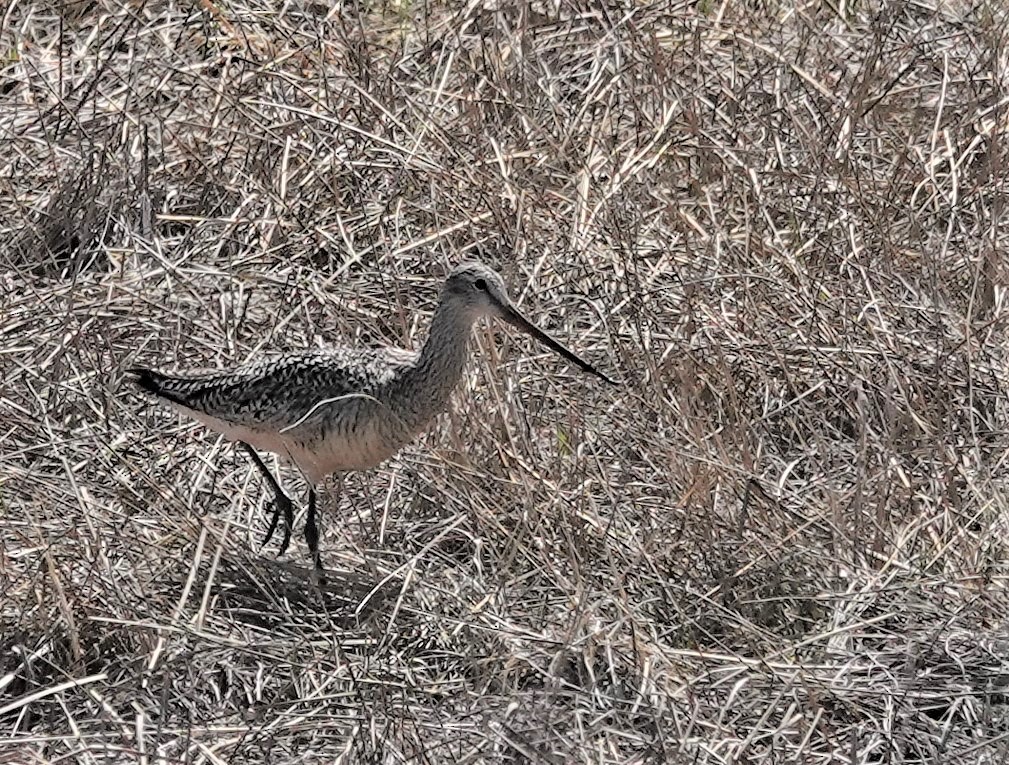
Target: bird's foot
(318,577)
(281,505)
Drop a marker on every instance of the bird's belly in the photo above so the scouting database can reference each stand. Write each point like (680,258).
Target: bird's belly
(263,440)
(363,449)
(318,454)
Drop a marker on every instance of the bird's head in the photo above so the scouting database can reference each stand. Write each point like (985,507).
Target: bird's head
(479,290)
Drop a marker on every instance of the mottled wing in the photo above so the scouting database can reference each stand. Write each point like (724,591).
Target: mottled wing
(276,393)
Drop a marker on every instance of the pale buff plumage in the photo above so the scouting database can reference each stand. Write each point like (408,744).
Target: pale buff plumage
(345,408)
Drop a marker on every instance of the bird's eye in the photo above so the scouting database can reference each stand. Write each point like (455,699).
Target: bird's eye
(480,284)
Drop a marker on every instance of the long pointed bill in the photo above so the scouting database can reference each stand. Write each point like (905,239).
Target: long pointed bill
(513,317)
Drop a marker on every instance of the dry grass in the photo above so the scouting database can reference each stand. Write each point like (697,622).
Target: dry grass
(783,539)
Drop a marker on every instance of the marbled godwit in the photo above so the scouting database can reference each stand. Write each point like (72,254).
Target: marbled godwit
(346,408)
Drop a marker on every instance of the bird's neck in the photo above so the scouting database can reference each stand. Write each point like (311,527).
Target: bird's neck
(426,387)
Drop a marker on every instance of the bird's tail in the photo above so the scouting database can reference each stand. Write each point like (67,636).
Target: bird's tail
(146,379)
(153,382)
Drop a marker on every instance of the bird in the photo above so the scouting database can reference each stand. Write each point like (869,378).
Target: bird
(344,408)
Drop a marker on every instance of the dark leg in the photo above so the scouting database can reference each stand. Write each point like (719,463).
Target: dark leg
(312,531)
(282,503)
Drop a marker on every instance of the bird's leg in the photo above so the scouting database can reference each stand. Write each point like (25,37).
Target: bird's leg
(312,530)
(282,503)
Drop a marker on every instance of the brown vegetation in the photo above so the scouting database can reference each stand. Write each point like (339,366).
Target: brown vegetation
(782,539)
